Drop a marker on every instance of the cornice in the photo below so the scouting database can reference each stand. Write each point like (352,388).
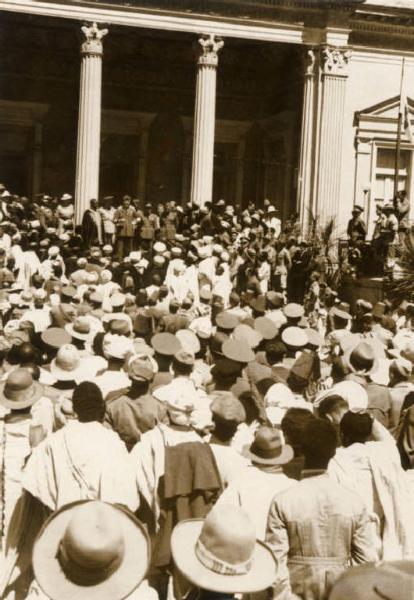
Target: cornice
(387,28)
(388,20)
(285,21)
(164,20)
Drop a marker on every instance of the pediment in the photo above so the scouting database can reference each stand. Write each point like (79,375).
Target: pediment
(387,109)
(379,121)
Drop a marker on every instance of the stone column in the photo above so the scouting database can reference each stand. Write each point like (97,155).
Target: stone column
(89,120)
(304,196)
(204,120)
(334,73)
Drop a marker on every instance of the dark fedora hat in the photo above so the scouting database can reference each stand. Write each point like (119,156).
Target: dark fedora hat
(268,448)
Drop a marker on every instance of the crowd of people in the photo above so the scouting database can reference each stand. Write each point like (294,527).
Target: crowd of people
(189,411)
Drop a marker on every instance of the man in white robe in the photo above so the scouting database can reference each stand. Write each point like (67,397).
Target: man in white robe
(81,461)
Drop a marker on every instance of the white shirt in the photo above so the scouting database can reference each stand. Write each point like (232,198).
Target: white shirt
(40,317)
(5,243)
(107,216)
(275,224)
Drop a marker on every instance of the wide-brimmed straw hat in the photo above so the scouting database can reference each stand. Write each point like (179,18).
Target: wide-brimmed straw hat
(268,448)
(19,391)
(244,334)
(220,553)
(67,365)
(361,358)
(81,329)
(93,550)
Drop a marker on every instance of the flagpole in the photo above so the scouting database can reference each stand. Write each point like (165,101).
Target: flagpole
(398,144)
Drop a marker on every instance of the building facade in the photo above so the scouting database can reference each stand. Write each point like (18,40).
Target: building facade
(296,101)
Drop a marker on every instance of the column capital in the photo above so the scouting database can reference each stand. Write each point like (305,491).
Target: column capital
(93,41)
(210,47)
(334,60)
(309,61)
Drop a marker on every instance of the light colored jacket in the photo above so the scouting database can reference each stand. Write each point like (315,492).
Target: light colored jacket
(317,529)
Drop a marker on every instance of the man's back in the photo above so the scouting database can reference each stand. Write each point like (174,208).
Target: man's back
(316,530)
(254,490)
(131,417)
(80,461)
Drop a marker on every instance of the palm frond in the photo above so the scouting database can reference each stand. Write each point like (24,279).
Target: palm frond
(321,237)
(327,232)
(400,285)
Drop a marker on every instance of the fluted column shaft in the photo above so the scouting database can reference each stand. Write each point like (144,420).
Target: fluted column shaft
(304,197)
(204,120)
(334,65)
(89,120)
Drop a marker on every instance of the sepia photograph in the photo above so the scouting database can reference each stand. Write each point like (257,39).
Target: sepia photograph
(206,299)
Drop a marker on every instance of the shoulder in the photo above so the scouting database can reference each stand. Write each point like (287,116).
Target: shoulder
(53,440)
(148,440)
(116,397)
(119,402)
(110,437)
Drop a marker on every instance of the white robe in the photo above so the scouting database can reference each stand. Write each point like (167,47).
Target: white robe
(15,447)
(178,287)
(82,461)
(222,286)
(191,277)
(5,243)
(373,470)
(27,263)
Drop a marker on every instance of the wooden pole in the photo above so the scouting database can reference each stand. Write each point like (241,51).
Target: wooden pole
(397,155)
(398,144)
